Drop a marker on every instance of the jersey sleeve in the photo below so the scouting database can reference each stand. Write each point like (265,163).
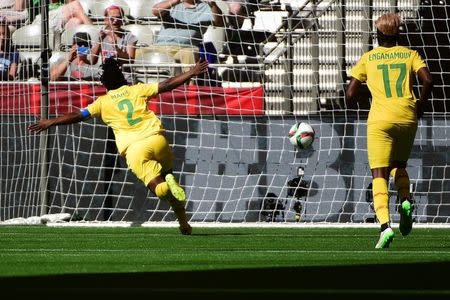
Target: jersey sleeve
(417,62)
(359,71)
(95,108)
(147,90)
(131,39)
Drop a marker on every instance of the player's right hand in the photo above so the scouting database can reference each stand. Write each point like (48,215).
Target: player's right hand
(40,126)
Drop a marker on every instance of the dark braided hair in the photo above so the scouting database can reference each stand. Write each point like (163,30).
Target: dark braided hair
(112,77)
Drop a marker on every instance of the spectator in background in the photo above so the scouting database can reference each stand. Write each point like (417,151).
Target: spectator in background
(115,41)
(65,16)
(237,13)
(239,10)
(77,66)
(184,23)
(9,56)
(13,12)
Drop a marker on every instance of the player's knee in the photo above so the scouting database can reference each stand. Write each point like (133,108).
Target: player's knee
(400,173)
(401,179)
(398,164)
(162,190)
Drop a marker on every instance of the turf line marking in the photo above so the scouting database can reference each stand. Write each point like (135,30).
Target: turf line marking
(4,251)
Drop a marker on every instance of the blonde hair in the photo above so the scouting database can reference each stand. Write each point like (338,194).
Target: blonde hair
(388,24)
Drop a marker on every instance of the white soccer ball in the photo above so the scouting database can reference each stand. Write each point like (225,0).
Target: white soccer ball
(301,135)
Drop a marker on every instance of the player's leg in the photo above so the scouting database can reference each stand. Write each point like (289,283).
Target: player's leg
(149,160)
(381,205)
(401,181)
(177,198)
(161,189)
(379,145)
(175,188)
(164,156)
(401,152)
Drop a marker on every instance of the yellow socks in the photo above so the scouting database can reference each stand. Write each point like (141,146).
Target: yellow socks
(401,181)
(381,199)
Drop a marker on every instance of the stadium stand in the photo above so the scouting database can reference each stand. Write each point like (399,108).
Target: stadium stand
(97,11)
(29,65)
(142,32)
(67,35)
(57,58)
(140,10)
(157,67)
(29,37)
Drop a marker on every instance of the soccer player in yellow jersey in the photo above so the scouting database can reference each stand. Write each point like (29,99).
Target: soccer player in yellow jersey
(139,134)
(392,122)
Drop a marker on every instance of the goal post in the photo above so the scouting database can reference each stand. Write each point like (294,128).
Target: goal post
(284,62)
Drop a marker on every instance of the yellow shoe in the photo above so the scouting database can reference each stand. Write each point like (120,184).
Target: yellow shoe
(176,190)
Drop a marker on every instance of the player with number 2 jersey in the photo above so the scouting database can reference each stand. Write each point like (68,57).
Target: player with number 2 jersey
(125,111)
(138,132)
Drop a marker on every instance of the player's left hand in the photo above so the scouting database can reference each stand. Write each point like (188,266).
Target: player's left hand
(200,67)
(420,108)
(40,126)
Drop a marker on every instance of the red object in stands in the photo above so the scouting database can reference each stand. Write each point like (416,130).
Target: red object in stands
(24,98)
(206,100)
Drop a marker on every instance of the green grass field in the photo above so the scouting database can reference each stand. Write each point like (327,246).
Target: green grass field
(232,260)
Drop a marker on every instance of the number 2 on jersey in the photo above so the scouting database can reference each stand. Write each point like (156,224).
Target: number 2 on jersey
(125,103)
(401,78)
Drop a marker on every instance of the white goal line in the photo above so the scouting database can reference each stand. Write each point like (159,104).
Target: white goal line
(238,225)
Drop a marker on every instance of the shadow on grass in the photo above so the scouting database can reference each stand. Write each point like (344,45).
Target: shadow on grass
(429,280)
(221,234)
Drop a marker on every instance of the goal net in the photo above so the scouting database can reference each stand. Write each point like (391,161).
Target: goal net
(272,64)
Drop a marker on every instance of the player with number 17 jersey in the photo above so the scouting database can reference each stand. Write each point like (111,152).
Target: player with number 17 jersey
(390,72)
(125,111)
(392,123)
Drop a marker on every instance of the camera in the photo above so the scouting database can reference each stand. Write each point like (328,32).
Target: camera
(272,208)
(298,187)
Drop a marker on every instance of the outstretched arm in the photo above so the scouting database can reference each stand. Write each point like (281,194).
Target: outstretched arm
(70,118)
(173,82)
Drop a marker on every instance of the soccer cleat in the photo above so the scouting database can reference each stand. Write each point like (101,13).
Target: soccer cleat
(386,238)
(405,209)
(176,190)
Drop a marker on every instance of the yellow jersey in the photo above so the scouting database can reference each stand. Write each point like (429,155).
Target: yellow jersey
(125,111)
(388,73)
